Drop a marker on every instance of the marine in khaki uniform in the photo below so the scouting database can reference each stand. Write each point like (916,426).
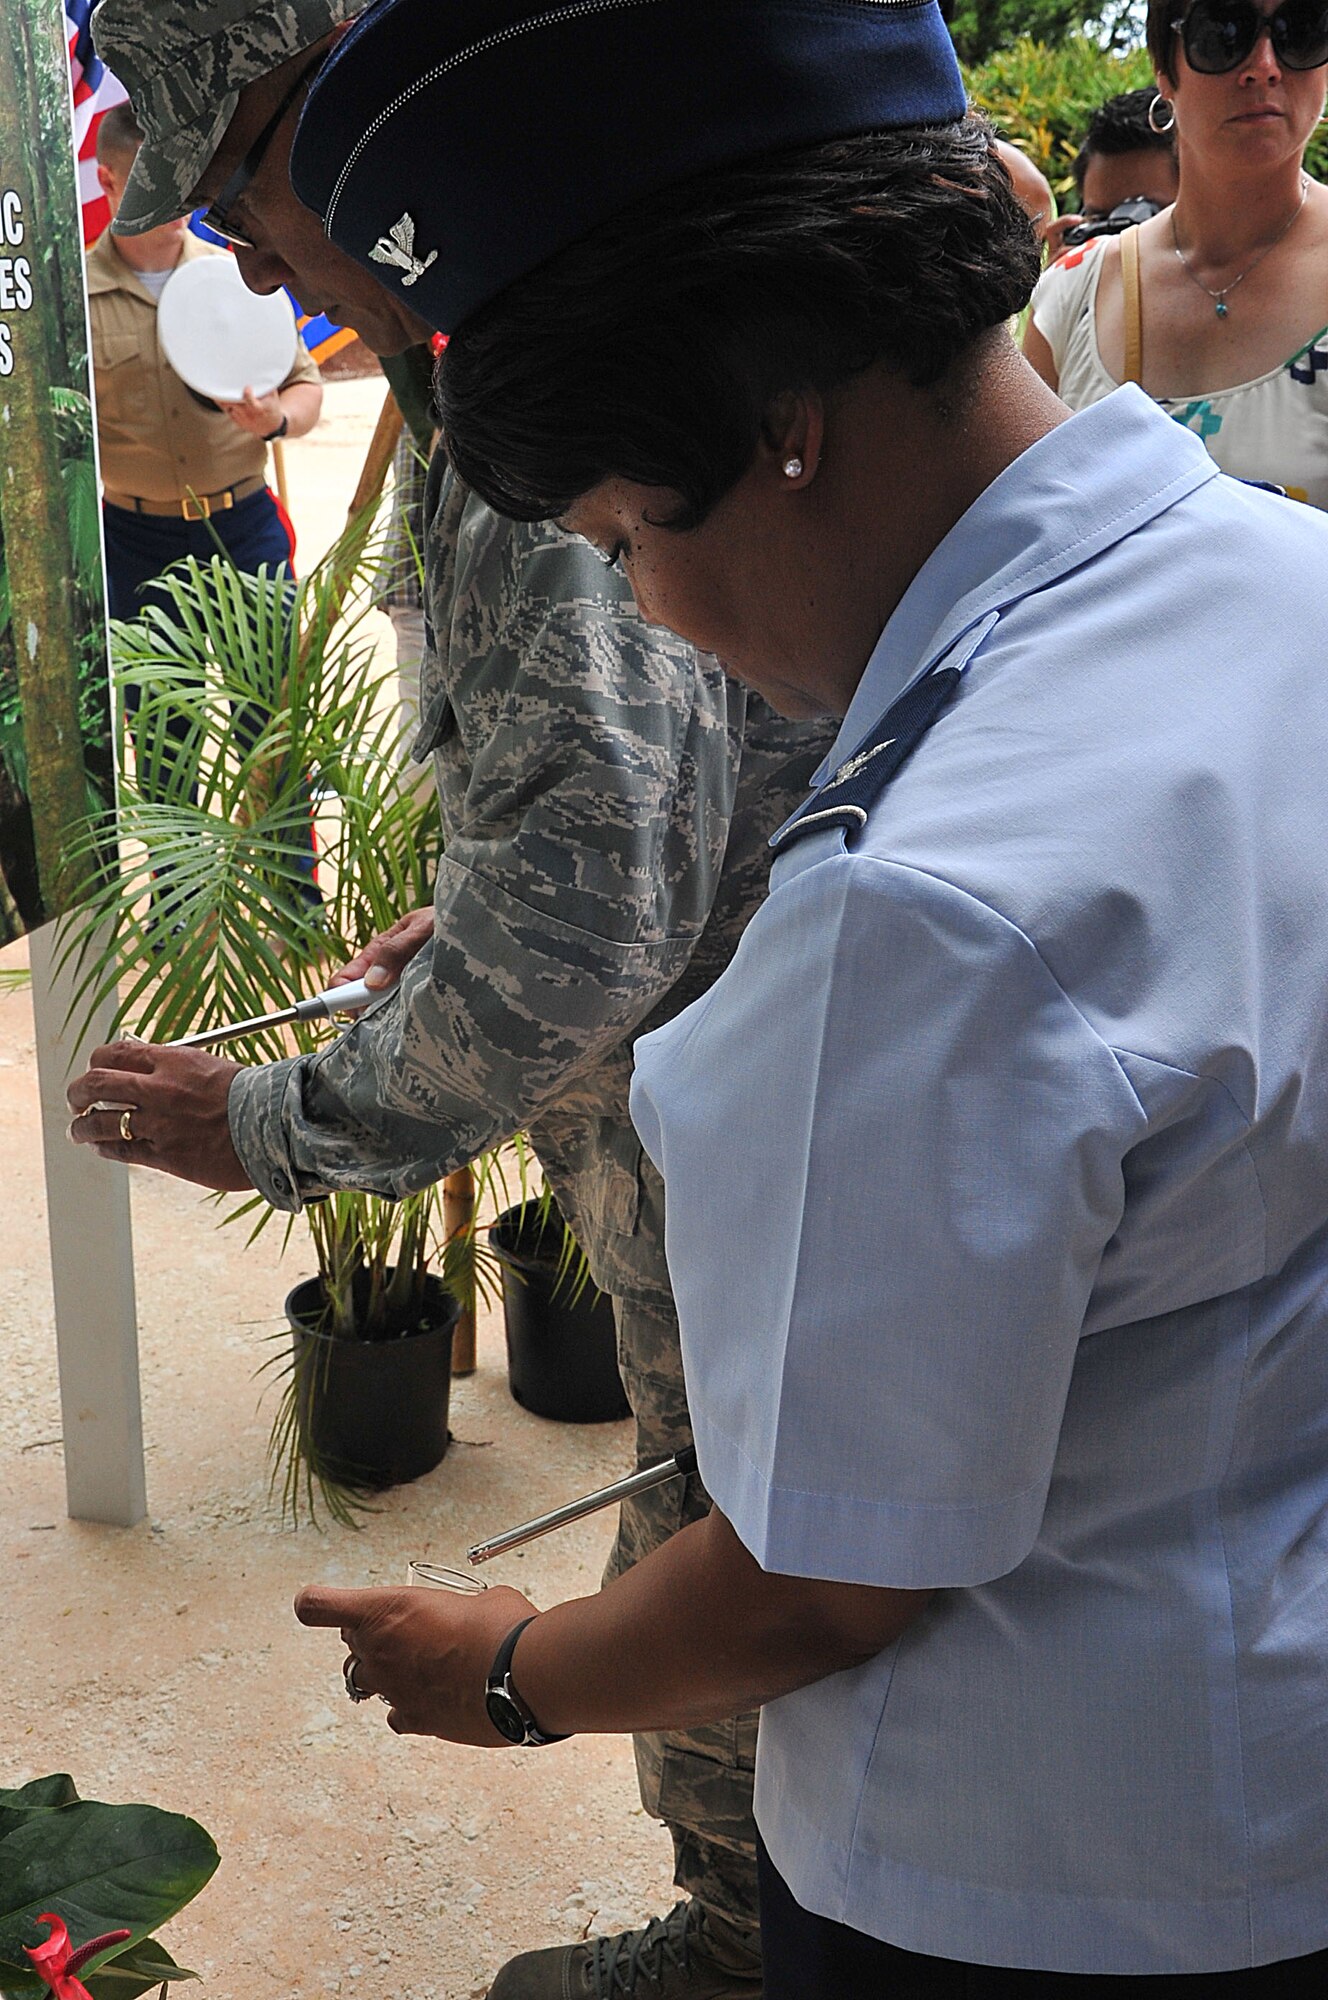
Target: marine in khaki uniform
(176,470)
(606,797)
(159,442)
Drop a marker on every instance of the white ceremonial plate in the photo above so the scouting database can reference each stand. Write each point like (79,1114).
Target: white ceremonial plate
(219,336)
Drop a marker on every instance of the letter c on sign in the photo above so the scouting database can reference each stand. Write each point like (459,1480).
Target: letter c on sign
(11,217)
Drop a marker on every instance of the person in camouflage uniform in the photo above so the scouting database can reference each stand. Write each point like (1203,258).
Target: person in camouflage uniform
(605,845)
(606,798)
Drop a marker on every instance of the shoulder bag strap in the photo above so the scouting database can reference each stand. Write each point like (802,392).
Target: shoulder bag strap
(1134,316)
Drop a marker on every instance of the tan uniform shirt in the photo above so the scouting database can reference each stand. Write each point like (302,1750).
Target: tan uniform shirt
(158,441)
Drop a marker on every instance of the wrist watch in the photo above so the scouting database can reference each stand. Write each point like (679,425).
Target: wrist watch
(507,1712)
(270,437)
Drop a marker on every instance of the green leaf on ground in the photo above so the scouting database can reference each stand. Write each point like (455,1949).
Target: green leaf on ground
(99,1867)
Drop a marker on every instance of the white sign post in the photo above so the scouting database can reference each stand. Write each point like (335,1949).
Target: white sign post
(92,1270)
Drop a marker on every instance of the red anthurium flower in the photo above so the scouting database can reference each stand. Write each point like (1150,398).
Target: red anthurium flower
(58,1967)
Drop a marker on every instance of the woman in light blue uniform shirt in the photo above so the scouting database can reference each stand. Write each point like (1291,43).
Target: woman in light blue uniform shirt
(997,1163)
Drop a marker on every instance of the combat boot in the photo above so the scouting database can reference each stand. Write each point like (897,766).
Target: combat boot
(692,1954)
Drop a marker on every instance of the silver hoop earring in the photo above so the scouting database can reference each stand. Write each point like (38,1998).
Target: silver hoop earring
(793,468)
(1154,123)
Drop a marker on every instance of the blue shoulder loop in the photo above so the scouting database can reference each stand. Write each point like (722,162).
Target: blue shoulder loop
(847,796)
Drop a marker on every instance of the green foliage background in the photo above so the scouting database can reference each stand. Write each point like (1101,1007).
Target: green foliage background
(979,28)
(1041,96)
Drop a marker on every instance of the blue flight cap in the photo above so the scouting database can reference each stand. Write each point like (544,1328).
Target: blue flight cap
(451,146)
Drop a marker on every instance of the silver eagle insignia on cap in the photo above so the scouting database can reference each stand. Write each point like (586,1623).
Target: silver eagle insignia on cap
(398,248)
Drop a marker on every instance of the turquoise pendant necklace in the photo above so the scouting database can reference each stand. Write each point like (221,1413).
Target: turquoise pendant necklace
(1220,306)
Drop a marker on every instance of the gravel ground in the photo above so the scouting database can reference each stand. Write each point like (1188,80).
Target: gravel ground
(162,1663)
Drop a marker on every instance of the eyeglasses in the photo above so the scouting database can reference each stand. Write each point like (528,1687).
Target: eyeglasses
(1218,35)
(217,214)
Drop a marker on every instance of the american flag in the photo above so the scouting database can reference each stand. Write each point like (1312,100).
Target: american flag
(95,91)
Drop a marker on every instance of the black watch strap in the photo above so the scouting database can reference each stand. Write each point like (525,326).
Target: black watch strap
(271,437)
(506,1709)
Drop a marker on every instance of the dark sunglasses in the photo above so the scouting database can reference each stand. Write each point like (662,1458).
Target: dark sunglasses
(1218,35)
(216,215)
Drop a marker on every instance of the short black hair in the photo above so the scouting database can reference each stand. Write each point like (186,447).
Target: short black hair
(119,135)
(653,349)
(1121,126)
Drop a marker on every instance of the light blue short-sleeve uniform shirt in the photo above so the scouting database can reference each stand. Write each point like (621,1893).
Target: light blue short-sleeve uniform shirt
(997,1171)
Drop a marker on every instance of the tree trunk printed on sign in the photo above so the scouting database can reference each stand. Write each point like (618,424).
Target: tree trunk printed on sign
(54,694)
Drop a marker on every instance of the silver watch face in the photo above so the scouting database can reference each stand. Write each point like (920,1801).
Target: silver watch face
(505,1716)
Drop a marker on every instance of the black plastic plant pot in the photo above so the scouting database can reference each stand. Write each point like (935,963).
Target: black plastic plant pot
(373,1413)
(562,1346)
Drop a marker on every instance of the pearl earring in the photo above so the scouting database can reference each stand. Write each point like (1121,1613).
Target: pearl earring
(793,468)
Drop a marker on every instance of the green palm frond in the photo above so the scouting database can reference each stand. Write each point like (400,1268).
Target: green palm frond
(252,695)
(1040,94)
(74,413)
(256,701)
(79,479)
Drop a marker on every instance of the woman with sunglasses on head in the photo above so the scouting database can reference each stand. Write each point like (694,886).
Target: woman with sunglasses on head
(1218,306)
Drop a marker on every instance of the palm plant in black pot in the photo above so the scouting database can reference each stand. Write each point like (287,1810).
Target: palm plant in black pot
(257,703)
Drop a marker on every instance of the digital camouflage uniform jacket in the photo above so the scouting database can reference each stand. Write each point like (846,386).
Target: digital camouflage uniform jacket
(606,799)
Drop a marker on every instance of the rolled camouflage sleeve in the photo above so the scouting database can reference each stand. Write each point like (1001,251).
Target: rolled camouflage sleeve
(586,768)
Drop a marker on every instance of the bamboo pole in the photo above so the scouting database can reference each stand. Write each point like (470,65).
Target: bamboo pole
(378,459)
(279,467)
(373,476)
(459,1216)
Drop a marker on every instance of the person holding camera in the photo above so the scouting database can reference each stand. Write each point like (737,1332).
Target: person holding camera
(1123,173)
(1217,305)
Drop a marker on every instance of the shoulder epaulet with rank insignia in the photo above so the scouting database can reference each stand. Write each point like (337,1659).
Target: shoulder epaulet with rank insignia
(849,793)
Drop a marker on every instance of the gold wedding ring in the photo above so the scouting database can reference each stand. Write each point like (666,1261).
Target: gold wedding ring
(126,1128)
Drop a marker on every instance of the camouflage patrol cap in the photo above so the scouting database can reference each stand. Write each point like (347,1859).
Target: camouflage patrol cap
(184,64)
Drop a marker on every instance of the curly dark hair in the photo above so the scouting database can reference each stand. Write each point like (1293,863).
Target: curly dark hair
(653,349)
(1121,126)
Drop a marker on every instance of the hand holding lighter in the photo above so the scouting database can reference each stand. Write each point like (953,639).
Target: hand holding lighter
(677,1467)
(347,999)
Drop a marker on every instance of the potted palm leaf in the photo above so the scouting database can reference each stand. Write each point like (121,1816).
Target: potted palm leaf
(257,703)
